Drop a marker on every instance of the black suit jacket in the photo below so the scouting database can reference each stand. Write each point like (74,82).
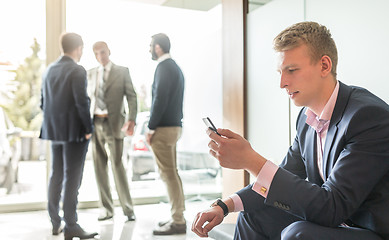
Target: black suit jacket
(65,102)
(355,163)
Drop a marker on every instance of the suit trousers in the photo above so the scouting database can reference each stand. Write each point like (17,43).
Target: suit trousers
(67,168)
(270,223)
(103,135)
(163,144)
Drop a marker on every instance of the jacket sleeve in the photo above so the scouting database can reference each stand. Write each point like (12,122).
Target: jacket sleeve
(292,161)
(79,88)
(130,95)
(161,96)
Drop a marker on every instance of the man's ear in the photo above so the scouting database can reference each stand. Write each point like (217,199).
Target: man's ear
(79,49)
(326,65)
(158,50)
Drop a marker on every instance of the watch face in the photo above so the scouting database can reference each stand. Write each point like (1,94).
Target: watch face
(222,205)
(214,204)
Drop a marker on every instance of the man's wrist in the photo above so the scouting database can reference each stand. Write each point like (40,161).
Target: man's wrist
(222,205)
(257,162)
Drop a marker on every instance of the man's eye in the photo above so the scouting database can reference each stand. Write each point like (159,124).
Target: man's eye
(292,70)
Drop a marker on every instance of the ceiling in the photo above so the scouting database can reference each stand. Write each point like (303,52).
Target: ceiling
(201,5)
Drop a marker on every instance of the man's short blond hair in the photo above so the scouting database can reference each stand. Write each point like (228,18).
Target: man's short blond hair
(100,44)
(317,38)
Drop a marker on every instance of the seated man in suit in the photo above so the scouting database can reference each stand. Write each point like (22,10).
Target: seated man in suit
(334,181)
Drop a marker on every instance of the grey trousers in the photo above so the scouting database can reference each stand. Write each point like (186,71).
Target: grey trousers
(163,144)
(101,137)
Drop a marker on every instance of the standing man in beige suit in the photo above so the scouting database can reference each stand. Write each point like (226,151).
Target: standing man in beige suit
(108,85)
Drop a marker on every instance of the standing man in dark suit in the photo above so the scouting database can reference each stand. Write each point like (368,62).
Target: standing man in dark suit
(165,129)
(67,123)
(334,181)
(108,85)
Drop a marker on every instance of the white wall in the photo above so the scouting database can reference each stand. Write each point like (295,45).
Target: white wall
(361,32)
(268,105)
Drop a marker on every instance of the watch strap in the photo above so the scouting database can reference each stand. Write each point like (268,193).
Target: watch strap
(221,204)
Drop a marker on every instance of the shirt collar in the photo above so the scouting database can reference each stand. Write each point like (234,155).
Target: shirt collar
(107,67)
(322,122)
(164,57)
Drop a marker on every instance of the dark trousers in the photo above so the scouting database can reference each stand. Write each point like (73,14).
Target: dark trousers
(68,160)
(271,223)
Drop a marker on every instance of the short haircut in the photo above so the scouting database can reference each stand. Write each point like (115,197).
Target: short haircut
(163,41)
(70,42)
(317,38)
(100,44)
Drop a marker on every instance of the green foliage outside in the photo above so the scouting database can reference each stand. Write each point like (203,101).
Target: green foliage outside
(24,110)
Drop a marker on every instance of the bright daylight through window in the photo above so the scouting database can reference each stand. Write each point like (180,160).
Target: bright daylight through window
(127,28)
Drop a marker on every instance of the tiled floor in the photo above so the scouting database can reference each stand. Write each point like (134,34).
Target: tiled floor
(36,225)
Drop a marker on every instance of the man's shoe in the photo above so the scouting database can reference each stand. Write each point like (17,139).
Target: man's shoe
(131,218)
(160,224)
(170,228)
(57,231)
(104,218)
(77,231)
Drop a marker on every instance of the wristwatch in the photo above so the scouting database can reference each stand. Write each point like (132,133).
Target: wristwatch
(221,204)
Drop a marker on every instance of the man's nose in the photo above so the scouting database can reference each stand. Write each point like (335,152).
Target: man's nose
(283,81)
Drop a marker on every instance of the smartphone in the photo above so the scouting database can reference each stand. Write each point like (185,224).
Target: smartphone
(210,125)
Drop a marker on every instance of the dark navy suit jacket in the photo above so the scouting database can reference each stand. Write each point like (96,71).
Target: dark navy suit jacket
(355,165)
(65,102)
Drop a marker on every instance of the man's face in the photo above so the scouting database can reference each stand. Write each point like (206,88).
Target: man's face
(300,76)
(102,54)
(154,55)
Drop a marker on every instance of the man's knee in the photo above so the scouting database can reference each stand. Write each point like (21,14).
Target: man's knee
(246,228)
(240,227)
(297,230)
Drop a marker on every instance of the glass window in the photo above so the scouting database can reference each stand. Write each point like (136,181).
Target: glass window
(195,36)
(22,53)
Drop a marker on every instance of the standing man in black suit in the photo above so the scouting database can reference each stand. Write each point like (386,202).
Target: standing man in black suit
(334,180)
(108,85)
(67,123)
(165,129)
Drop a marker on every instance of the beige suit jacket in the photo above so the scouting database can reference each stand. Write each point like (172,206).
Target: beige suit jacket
(118,89)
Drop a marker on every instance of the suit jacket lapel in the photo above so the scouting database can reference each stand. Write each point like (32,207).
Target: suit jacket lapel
(111,78)
(340,105)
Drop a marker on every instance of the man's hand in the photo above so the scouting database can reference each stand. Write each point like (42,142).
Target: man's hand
(128,128)
(211,217)
(88,136)
(234,152)
(149,136)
